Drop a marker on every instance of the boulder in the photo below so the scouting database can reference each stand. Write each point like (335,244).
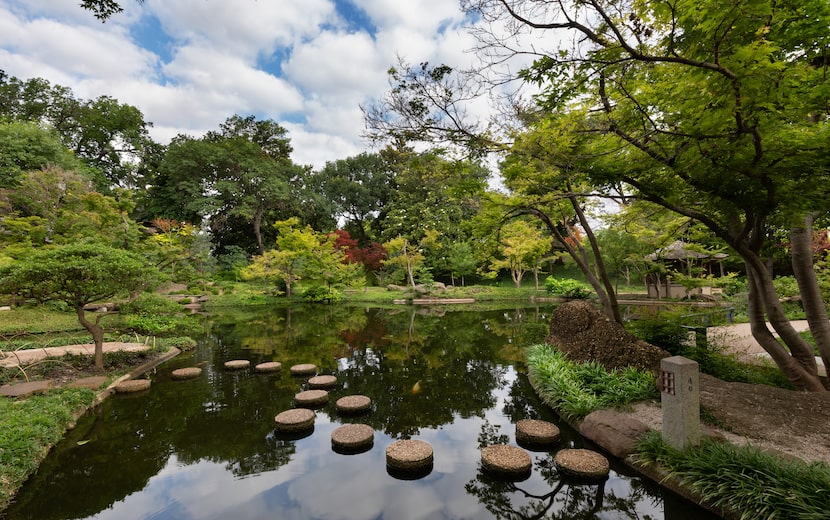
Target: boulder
(583,333)
(616,432)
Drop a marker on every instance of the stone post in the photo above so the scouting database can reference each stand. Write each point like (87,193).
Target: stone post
(680,399)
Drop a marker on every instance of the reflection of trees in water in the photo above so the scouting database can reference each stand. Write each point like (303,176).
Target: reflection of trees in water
(567,499)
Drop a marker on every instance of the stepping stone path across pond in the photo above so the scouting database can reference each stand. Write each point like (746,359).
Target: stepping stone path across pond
(294,420)
(505,460)
(304,369)
(132,385)
(582,463)
(237,364)
(270,366)
(322,382)
(311,398)
(186,373)
(353,404)
(536,433)
(352,438)
(409,455)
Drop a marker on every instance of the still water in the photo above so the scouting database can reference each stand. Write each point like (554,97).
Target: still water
(206,448)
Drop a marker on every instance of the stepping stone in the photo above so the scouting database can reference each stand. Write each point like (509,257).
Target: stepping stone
(322,382)
(237,364)
(132,386)
(534,432)
(312,398)
(270,366)
(582,463)
(305,369)
(352,438)
(505,460)
(409,455)
(26,389)
(93,382)
(186,373)
(353,404)
(296,419)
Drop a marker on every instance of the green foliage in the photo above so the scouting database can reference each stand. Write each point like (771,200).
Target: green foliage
(567,288)
(154,315)
(576,390)
(785,286)
(323,294)
(30,427)
(744,479)
(662,329)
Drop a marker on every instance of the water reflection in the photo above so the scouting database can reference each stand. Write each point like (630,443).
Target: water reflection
(206,448)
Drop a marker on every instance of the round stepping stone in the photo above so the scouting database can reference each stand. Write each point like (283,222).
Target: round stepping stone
(270,366)
(409,455)
(237,364)
(186,373)
(322,382)
(352,438)
(133,385)
(536,433)
(311,398)
(353,404)
(506,460)
(582,463)
(305,369)
(294,420)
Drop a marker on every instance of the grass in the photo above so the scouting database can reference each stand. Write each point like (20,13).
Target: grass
(744,479)
(29,428)
(577,389)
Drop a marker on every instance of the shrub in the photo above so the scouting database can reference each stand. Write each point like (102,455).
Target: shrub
(321,294)
(576,390)
(567,288)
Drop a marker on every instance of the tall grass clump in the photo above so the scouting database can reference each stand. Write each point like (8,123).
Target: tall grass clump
(29,428)
(744,479)
(577,389)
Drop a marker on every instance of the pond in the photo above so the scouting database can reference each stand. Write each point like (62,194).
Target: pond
(207,448)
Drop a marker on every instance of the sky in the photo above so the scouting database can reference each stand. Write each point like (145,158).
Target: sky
(188,65)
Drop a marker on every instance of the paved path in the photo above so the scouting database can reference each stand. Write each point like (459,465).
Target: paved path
(738,337)
(14,358)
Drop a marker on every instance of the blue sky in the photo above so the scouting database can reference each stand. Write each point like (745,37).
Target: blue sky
(190,64)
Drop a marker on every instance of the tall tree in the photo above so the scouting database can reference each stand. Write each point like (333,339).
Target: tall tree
(358,188)
(716,113)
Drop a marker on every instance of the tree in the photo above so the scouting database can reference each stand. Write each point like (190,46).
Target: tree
(402,254)
(25,147)
(522,247)
(80,274)
(103,9)
(358,188)
(461,261)
(720,115)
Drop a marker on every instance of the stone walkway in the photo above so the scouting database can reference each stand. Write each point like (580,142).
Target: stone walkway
(738,337)
(14,358)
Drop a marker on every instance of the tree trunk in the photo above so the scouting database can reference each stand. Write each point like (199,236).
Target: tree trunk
(258,230)
(97,332)
(801,239)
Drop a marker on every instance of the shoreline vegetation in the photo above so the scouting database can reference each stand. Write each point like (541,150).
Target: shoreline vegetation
(30,427)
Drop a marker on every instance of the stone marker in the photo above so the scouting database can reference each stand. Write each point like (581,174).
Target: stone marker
(680,399)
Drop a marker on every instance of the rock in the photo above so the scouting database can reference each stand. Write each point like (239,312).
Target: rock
(352,438)
(534,432)
(269,366)
(583,333)
(303,369)
(311,398)
(616,432)
(505,460)
(581,463)
(322,382)
(132,385)
(409,455)
(26,389)
(237,364)
(353,404)
(296,419)
(186,373)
